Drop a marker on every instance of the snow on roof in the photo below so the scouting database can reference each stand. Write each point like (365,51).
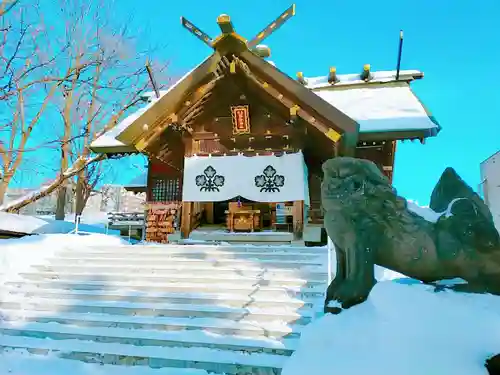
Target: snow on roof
(405,328)
(108,139)
(380,108)
(152,94)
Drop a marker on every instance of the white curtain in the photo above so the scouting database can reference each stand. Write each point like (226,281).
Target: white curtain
(257,178)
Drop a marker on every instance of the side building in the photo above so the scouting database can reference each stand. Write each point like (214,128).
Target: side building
(490,185)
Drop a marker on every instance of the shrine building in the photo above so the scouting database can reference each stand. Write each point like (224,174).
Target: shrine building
(237,144)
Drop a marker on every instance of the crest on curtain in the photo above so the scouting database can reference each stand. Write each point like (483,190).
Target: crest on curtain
(209,180)
(269,181)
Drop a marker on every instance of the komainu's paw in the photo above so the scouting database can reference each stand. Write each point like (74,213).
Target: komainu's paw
(353,291)
(330,294)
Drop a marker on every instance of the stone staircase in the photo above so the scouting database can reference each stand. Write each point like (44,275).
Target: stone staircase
(191,309)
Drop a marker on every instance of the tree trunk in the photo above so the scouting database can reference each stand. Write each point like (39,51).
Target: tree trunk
(61,203)
(62,191)
(4,184)
(80,195)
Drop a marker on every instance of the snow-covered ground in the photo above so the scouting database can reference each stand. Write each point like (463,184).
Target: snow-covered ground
(403,328)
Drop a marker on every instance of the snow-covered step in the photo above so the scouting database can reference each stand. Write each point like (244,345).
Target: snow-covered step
(208,247)
(21,362)
(238,309)
(197,255)
(138,337)
(201,271)
(225,299)
(243,327)
(192,250)
(184,261)
(161,309)
(254,291)
(211,360)
(89,274)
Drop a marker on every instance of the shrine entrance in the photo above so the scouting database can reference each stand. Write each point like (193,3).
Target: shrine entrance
(220,209)
(270,194)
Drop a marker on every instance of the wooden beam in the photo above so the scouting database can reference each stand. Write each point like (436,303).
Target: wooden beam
(330,133)
(151,135)
(205,136)
(194,100)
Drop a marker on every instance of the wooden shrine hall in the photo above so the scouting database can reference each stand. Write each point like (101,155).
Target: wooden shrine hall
(239,144)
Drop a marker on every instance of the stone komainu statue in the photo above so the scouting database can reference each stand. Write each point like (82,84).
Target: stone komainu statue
(370,224)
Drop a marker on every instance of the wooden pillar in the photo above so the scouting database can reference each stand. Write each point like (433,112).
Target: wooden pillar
(149,182)
(186,213)
(298,219)
(209,209)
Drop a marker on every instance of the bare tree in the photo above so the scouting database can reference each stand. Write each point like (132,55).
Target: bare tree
(116,81)
(97,77)
(28,82)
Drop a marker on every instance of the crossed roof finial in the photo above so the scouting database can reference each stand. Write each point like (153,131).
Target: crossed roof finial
(228,31)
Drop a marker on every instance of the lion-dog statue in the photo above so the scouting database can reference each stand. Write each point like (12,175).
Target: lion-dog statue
(370,224)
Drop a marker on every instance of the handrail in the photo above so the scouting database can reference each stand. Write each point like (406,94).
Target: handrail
(329,248)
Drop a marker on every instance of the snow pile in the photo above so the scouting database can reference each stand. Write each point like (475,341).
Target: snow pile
(98,218)
(428,214)
(42,225)
(16,256)
(424,211)
(21,224)
(403,329)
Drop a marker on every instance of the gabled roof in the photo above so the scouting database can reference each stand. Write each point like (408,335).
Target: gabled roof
(381,107)
(164,110)
(339,111)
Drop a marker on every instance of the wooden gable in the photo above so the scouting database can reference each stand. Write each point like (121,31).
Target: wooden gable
(181,104)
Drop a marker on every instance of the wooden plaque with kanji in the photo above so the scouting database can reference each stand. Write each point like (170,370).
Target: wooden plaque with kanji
(241,119)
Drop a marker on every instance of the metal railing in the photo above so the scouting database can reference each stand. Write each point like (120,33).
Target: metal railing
(329,248)
(117,218)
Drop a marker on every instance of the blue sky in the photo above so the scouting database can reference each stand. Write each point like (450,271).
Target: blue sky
(456,43)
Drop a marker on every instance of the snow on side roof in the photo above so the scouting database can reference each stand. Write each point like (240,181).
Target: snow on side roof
(380,108)
(355,79)
(138,181)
